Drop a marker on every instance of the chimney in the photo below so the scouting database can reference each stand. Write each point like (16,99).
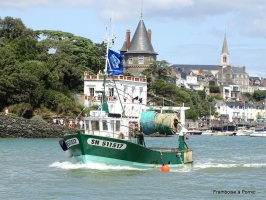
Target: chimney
(244,68)
(149,35)
(128,38)
(200,71)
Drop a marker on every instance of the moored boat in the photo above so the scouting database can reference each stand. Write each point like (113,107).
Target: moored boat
(193,132)
(243,131)
(258,134)
(224,133)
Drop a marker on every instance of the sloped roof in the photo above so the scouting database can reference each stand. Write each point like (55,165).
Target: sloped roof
(204,67)
(140,42)
(238,70)
(254,78)
(124,47)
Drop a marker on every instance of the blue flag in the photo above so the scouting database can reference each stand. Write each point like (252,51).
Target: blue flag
(115,61)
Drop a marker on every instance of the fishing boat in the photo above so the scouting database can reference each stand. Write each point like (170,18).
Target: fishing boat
(114,138)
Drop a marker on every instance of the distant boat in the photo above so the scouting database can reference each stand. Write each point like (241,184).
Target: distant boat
(258,134)
(207,132)
(193,132)
(243,131)
(225,133)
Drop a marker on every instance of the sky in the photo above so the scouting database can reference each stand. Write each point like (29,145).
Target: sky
(183,31)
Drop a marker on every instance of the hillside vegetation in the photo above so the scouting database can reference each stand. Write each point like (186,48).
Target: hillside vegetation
(41,70)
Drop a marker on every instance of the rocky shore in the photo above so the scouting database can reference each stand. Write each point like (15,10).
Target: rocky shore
(14,127)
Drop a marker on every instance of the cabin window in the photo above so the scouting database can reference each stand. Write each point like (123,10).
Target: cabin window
(117,126)
(130,60)
(87,126)
(112,123)
(141,59)
(105,127)
(95,125)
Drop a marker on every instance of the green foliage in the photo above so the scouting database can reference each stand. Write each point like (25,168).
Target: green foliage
(58,102)
(217,97)
(214,89)
(249,96)
(19,109)
(259,95)
(38,118)
(159,76)
(87,110)
(42,69)
(11,28)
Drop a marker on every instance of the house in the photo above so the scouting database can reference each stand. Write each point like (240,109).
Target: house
(132,93)
(238,111)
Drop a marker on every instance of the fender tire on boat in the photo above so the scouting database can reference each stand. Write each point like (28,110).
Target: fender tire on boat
(63,145)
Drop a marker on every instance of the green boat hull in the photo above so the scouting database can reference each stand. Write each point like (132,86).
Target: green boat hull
(111,151)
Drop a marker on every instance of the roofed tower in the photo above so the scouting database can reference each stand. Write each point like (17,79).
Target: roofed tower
(140,42)
(225,53)
(138,53)
(224,72)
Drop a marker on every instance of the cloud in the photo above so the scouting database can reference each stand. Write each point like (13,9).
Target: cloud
(248,16)
(27,4)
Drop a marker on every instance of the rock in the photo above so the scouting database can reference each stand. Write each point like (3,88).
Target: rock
(13,127)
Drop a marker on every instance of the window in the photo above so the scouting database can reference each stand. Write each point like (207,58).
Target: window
(105,127)
(87,126)
(235,88)
(133,91)
(91,90)
(112,124)
(125,90)
(111,92)
(224,59)
(151,59)
(130,60)
(141,59)
(95,125)
(117,126)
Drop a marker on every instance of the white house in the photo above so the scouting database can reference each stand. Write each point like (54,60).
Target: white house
(132,93)
(239,112)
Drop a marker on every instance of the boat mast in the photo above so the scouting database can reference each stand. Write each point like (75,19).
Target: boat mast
(104,103)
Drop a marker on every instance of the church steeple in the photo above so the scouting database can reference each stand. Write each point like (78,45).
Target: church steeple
(225,53)
(225,47)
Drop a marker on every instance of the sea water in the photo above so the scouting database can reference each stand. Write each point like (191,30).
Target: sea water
(224,168)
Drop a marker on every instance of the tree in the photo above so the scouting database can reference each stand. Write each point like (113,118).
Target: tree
(11,28)
(259,95)
(214,89)
(23,83)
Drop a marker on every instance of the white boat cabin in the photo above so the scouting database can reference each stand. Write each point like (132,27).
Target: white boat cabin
(98,123)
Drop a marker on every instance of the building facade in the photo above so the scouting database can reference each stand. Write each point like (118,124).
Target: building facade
(123,93)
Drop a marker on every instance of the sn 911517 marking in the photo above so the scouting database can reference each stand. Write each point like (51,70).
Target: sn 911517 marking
(108,144)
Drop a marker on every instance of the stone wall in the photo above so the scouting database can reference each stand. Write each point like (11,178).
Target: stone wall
(14,127)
